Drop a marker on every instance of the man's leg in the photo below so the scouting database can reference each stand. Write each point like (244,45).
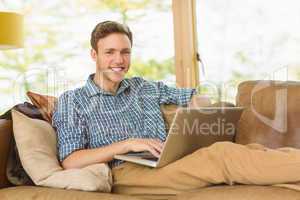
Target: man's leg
(222,162)
(256,164)
(174,178)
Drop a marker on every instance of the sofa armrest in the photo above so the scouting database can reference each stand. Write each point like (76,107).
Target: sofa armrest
(5,142)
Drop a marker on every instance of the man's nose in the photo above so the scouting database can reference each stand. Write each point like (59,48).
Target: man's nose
(119,58)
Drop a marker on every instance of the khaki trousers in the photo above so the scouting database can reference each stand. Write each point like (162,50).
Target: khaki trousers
(222,162)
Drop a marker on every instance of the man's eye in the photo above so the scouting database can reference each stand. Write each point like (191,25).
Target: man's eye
(109,52)
(126,52)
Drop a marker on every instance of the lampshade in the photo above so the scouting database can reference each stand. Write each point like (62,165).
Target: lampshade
(11,30)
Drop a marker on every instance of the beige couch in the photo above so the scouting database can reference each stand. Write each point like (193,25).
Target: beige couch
(259,98)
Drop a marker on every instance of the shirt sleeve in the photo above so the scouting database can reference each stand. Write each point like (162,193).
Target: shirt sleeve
(70,127)
(172,95)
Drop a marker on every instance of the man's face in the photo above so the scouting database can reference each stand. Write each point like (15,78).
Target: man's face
(113,57)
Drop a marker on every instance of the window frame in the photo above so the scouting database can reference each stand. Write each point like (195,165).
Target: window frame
(185,39)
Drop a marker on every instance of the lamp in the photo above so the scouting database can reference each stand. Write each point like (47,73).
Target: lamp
(11,30)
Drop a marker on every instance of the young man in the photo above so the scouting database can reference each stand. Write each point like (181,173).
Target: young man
(112,115)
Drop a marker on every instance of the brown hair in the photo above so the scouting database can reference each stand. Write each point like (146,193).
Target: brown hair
(105,28)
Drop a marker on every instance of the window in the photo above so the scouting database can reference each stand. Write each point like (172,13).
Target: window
(247,40)
(56,56)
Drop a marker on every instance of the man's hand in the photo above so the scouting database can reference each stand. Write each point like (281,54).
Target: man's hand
(85,157)
(199,101)
(154,146)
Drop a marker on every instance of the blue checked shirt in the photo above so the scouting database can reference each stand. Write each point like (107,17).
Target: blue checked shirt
(89,117)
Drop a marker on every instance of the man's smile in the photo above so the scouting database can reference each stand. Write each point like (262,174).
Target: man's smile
(117,69)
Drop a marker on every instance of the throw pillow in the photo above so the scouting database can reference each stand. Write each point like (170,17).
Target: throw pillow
(36,143)
(44,103)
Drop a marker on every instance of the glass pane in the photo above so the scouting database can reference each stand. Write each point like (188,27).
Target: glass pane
(247,40)
(56,56)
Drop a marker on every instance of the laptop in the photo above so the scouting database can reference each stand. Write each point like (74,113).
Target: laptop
(191,129)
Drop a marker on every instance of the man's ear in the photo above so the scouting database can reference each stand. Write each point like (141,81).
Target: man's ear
(94,54)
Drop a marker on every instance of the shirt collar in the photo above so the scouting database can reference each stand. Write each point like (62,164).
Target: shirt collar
(92,89)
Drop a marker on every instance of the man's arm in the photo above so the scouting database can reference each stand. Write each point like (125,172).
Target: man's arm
(85,157)
(180,96)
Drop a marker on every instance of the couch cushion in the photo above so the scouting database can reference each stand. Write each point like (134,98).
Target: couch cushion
(168,113)
(241,192)
(236,192)
(5,141)
(36,142)
(44,103)
(169,110)
(272,113)
(43,193)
